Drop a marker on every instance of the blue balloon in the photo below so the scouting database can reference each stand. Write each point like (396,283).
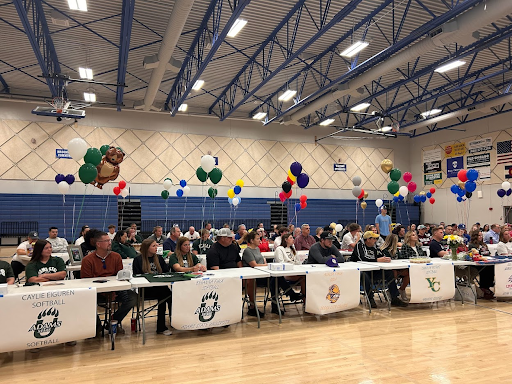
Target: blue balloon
(429,195)
(183,183)
(60,177)
(297,207)
(459,199)
(239,200)
(454,188)
(179,192)
(509,192)
(472,174)
(470,186)
(460,192)
(70,179)
(230,200)
(417,198)
(501,192)
(423,198)
(400,198)
(237,189)
(395,199)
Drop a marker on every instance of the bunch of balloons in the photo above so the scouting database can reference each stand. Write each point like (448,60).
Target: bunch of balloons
(77,149)
(359,192)
(184,190)
(63,182)
(167,185)
(207,170)
(233,193)
(505,189)
(422,196)
(121,189)
(295,175)
(303,203)
(466,184)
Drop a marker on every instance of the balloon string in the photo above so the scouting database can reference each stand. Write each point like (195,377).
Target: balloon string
(106,211)
(74,206)
(122,211)
(214,204)
(64,210)
(79,213)
(356,212)
(166,210)
(184,211)
(204,203)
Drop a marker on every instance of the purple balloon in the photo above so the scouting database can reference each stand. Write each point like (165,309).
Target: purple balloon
(501,192)
(302,180)
(70,179)
(509,192)
(296,168)
(60,177)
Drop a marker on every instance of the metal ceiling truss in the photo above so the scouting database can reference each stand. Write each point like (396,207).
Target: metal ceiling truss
(34,23)
(124,49)
(226,103)
(385,54)
(199,56)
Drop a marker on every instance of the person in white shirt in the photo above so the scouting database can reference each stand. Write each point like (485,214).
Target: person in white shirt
(504,246)
(111,232)
(280,232)
(352,237)
(59,244)
(192,234)
(286,253)
(84,230)
(23,254)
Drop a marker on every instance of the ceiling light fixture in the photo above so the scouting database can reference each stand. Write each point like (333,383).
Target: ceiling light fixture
(259,116)
(354,49)
(449,66)
(85,73)
(287,95)
(326,122)
(237,27)
(183,108)
(430,113)
(90,97)
(78,5)
(387,128)
(360,107)
(198,85)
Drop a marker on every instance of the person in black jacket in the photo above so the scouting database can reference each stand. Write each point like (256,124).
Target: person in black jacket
(150,262)
(367,252)
(324,250)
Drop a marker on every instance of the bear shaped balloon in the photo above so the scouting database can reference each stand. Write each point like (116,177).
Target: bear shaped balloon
(108,169)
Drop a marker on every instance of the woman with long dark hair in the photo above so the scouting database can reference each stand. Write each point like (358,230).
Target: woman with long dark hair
(182,260)
(121,245)
(42,266)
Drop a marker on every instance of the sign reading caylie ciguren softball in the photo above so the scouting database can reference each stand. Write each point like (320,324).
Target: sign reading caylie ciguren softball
(43,318)
(206,303)
(432,282)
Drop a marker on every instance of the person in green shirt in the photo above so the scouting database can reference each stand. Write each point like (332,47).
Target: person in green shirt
(182,260)
(203,244)
(136,238)
(42,266)
(6,273)
(121,245)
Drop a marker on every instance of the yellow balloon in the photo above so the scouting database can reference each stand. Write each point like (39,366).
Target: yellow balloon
(365,195)
(363,205)
(386,165)
(240,183)
(231,193)
(332,225)
(397,194)
(291,176)
(462,185)
(422,193)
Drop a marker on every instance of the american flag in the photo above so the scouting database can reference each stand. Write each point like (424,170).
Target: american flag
(504,152)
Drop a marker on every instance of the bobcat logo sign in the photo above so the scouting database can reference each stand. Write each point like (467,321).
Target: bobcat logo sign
(433,283)
(47,322)
(206,311)
(334,293)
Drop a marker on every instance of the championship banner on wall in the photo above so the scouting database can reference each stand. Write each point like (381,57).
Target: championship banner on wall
(431,282)
(481,145)
(208,303)
(503,280)
(43,318)
(332,291)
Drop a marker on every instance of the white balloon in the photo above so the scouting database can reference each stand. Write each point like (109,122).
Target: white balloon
(505,185)
(63,187)
(339,228)
(125,192)
(207,163)
(77,148)
(235,201)
(403,191)
(167,184)
(379,203)
(186,190)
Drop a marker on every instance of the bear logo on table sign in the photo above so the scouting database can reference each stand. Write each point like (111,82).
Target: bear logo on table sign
(432,284)
(207,312)
(334,293)
(47,322)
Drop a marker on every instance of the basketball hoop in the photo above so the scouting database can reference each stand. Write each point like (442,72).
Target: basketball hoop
(58,104)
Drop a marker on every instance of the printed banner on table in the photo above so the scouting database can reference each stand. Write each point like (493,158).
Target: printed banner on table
(433,178)
(481,145)
(332,291)
(454,165)
(199,304)
(456,149)
(432,155)
(431,282)
(43,318)
(481,160)
(503,280)
(432,166)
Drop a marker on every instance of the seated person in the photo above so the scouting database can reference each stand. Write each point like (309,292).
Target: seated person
(240,232)
(486,272)
(304,240)
(264,246)
(203,244)
(170,243)
(224,253)
(149,262)
(192,234)
(280,232)
(366,251)
(389,249)
(111,231)
(411,247)
(252,257)
(89,244)
(423,235)
(318,232)
(121,245)
(373,228)
(492,236)
(158,235)
(463,233)
(59,245)
(504,246)
(352,237)
(182,260)
(138,238)
(133,238)
(324,250)
(102,263)
(43,267)
(6,273)
(23,254)
(178,230)
(286,253)
(399,230)
(335,241)
(83,231)
(437,249)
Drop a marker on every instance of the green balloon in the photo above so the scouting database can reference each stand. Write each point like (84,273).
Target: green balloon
(93,156)
(393,187)
(165,194)
(395,174)
(168,178)
(201,174)
(87,173)
(212,192)
(104,149)
(215,175)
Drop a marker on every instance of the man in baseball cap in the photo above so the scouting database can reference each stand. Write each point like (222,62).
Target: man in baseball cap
(423,235)
(23,253)
(324,250)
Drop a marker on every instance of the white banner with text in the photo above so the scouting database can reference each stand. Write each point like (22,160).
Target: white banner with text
(503,279)
(432,282)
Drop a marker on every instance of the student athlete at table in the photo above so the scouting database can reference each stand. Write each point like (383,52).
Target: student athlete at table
(122,245)
(437,249)
(486,272)
(102,263)
(286,253)
(224,254)
(43,267)
(182,260)
(149,262)
(324,250)
(6,273)
(366,251)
